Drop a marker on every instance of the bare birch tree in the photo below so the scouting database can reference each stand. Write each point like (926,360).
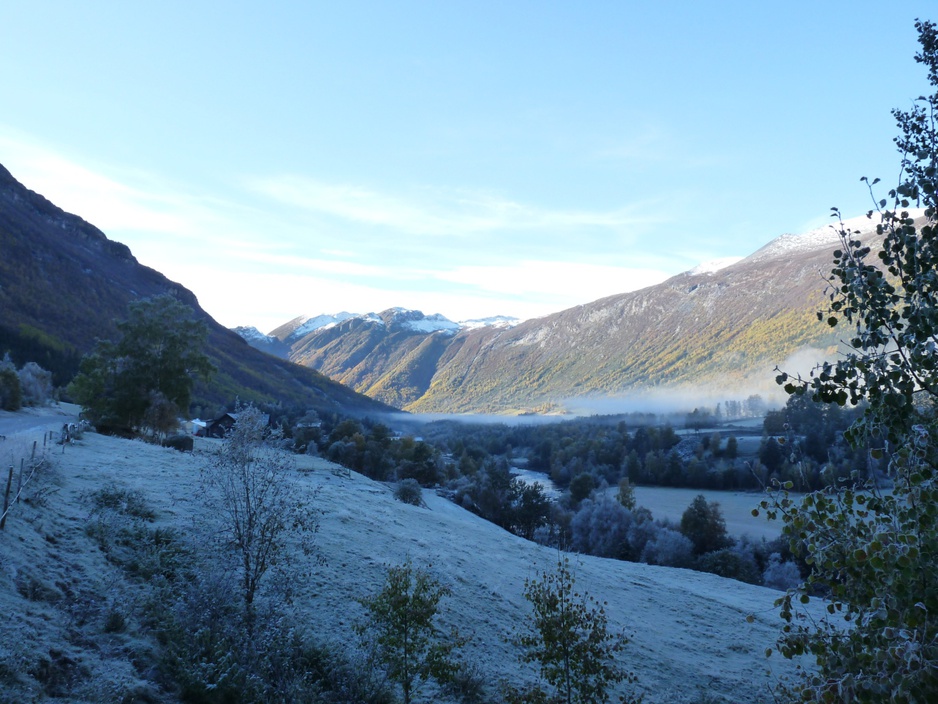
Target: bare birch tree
(251,488)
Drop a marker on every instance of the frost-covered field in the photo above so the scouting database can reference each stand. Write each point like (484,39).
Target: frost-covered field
(689,631)
(665,502)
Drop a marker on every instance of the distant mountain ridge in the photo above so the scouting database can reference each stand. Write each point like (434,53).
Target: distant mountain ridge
(64,284)
(414,320)
(391,354)
(725,325)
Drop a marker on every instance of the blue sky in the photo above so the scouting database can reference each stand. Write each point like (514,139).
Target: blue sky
(464,158)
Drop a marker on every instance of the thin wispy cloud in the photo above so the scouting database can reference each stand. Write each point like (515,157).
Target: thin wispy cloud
(645,145)
(434,211)
(546,278)
(142,205)
(103,200)
(338,266)
(249,259)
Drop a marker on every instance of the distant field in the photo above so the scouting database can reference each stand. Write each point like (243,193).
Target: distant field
(736,506)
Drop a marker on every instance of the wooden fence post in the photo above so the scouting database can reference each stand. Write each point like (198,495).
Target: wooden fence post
(19,481)
(6,498)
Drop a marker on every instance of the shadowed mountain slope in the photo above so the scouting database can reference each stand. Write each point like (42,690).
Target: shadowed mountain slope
(64,284)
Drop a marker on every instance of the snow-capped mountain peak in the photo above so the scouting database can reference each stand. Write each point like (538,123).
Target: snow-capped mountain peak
(825,237)
(714,265)
(396,318)
(307,324)
(496,321)
(416,321)
(249,333)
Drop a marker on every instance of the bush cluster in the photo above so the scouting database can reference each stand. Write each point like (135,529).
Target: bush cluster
(31,385)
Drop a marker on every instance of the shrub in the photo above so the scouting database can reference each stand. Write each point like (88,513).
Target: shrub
(581,487)
(643,529)
(626,495)
(120,524)
(11,398)
(467,684)
(781,575)
(130,502)
(346,678)
(35,384)
(409,492)
(601,527)
(215,653)
(731,563)
(183,443)
(669,548)
(703,524)
(161,416)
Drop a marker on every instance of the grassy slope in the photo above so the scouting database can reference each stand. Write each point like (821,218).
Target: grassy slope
(689,631)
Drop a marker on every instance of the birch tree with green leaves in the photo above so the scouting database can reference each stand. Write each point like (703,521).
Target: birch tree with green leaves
(401,632)
(570,641)
(873,550)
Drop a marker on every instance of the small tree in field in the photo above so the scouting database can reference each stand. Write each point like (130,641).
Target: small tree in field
(36,384)
(626,495)
(570,641)
(400,630)
(250,488)
(876,553)
(703,524)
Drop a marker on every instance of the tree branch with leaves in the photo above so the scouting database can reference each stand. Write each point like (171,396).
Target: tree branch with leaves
(874,553)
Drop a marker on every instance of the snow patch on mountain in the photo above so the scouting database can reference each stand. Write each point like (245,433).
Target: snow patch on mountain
(249,333)
(431,324)
(825,237)
(496,321)
(714,265)
(405,318)
(308,324)
(259,341)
